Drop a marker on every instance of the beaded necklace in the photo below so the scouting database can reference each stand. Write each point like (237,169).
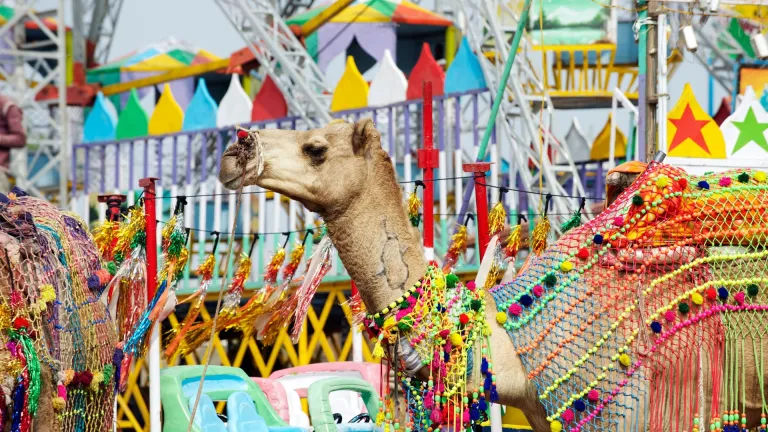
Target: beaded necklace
(614,322)
(441,321)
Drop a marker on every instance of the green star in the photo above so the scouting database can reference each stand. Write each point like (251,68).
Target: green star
(750,130)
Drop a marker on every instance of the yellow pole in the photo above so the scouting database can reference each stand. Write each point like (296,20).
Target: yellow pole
(452,38)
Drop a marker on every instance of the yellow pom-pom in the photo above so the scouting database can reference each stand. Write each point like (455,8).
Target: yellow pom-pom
(662,181)
(566,266)
(697,299)
(501,317)
(556,426)
(625,360)
(98,378)
(456,339)
(68,375)
(439,282)
(759,176)
(389,322)
(486,331)
(59,403)
(47,293)
(378,351)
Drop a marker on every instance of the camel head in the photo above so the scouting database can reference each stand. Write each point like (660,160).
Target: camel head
(324,169)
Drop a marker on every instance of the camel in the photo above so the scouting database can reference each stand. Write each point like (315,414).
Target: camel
(341,172)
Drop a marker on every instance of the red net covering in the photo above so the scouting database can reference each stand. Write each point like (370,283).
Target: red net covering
(56,357)
(652,315)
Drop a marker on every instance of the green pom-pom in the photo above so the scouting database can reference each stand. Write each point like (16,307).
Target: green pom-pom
(108,371)
(379,320)
(404,324)
(112,268)
(743,177)
(475,305)
(637,200)
(753,289)
(684,307)
(415,220)
(404,304)
(550,280)
(139,240)
(451,280)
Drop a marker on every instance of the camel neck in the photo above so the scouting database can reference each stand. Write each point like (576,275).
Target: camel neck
(378,246)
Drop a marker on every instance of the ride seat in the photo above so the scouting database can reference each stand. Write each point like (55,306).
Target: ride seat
(206,417)
(243,417)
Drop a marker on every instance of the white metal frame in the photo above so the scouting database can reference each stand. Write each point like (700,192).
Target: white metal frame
(283,56)
(26,74)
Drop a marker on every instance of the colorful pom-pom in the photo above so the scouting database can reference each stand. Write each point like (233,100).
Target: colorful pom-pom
(618,221)
(625,360)
(556,426)
(59,404)
(683,183)
(20,323)
(471,285)
(724,181)
(662,182)
(703,185)
(670,315)
(550,280)
(112,268)
(501,317)
(593,395)
(456,340)
(656,327)
(752,290)
(566,266)
(759,176)
(242,134)
(451,280)
(582,254)
(711,293)
(722,292)
(463,318)
(538,290)
(567,415)
(697,299)
(683,307)
(739,297)
(598,239)
(580,405)
(637,200)
(743,177)
(515,309)
(526,300)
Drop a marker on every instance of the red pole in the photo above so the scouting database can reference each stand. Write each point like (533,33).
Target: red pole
(481,201)
(150,218)
(428,161)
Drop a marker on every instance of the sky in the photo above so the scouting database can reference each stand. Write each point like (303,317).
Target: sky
(203,24)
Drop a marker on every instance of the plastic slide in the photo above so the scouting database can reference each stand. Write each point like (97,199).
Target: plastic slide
(247,407)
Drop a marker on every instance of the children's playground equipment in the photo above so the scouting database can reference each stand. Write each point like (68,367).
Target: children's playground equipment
(247,407)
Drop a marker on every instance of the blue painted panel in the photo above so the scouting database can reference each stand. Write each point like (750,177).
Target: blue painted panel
(465,73)
(100,125)
(201,112)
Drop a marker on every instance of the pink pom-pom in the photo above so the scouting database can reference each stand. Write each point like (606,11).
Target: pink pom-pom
(516,309)
(567,415)
(466,416)
(670,315)
(618,221)
(471,285)
(62,391)
(593,395)
(739,297)
(538,290)
(725,181)
(436,416)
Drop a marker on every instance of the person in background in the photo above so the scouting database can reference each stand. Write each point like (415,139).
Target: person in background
(12,135)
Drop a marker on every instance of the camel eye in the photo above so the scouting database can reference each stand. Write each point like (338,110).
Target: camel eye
(313,151)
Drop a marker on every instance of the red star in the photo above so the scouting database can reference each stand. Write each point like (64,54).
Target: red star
(688,127)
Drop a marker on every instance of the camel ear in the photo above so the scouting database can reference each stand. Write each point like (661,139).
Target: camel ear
(365,137)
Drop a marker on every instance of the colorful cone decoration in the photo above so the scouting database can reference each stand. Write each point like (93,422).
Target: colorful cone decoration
(539,236)
(496,219)
(235,291)
(176,336)
(273,268)
(512,244)
(457,247)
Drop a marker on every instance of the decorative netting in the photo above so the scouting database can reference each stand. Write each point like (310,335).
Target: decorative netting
(58,343)
(651,316)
